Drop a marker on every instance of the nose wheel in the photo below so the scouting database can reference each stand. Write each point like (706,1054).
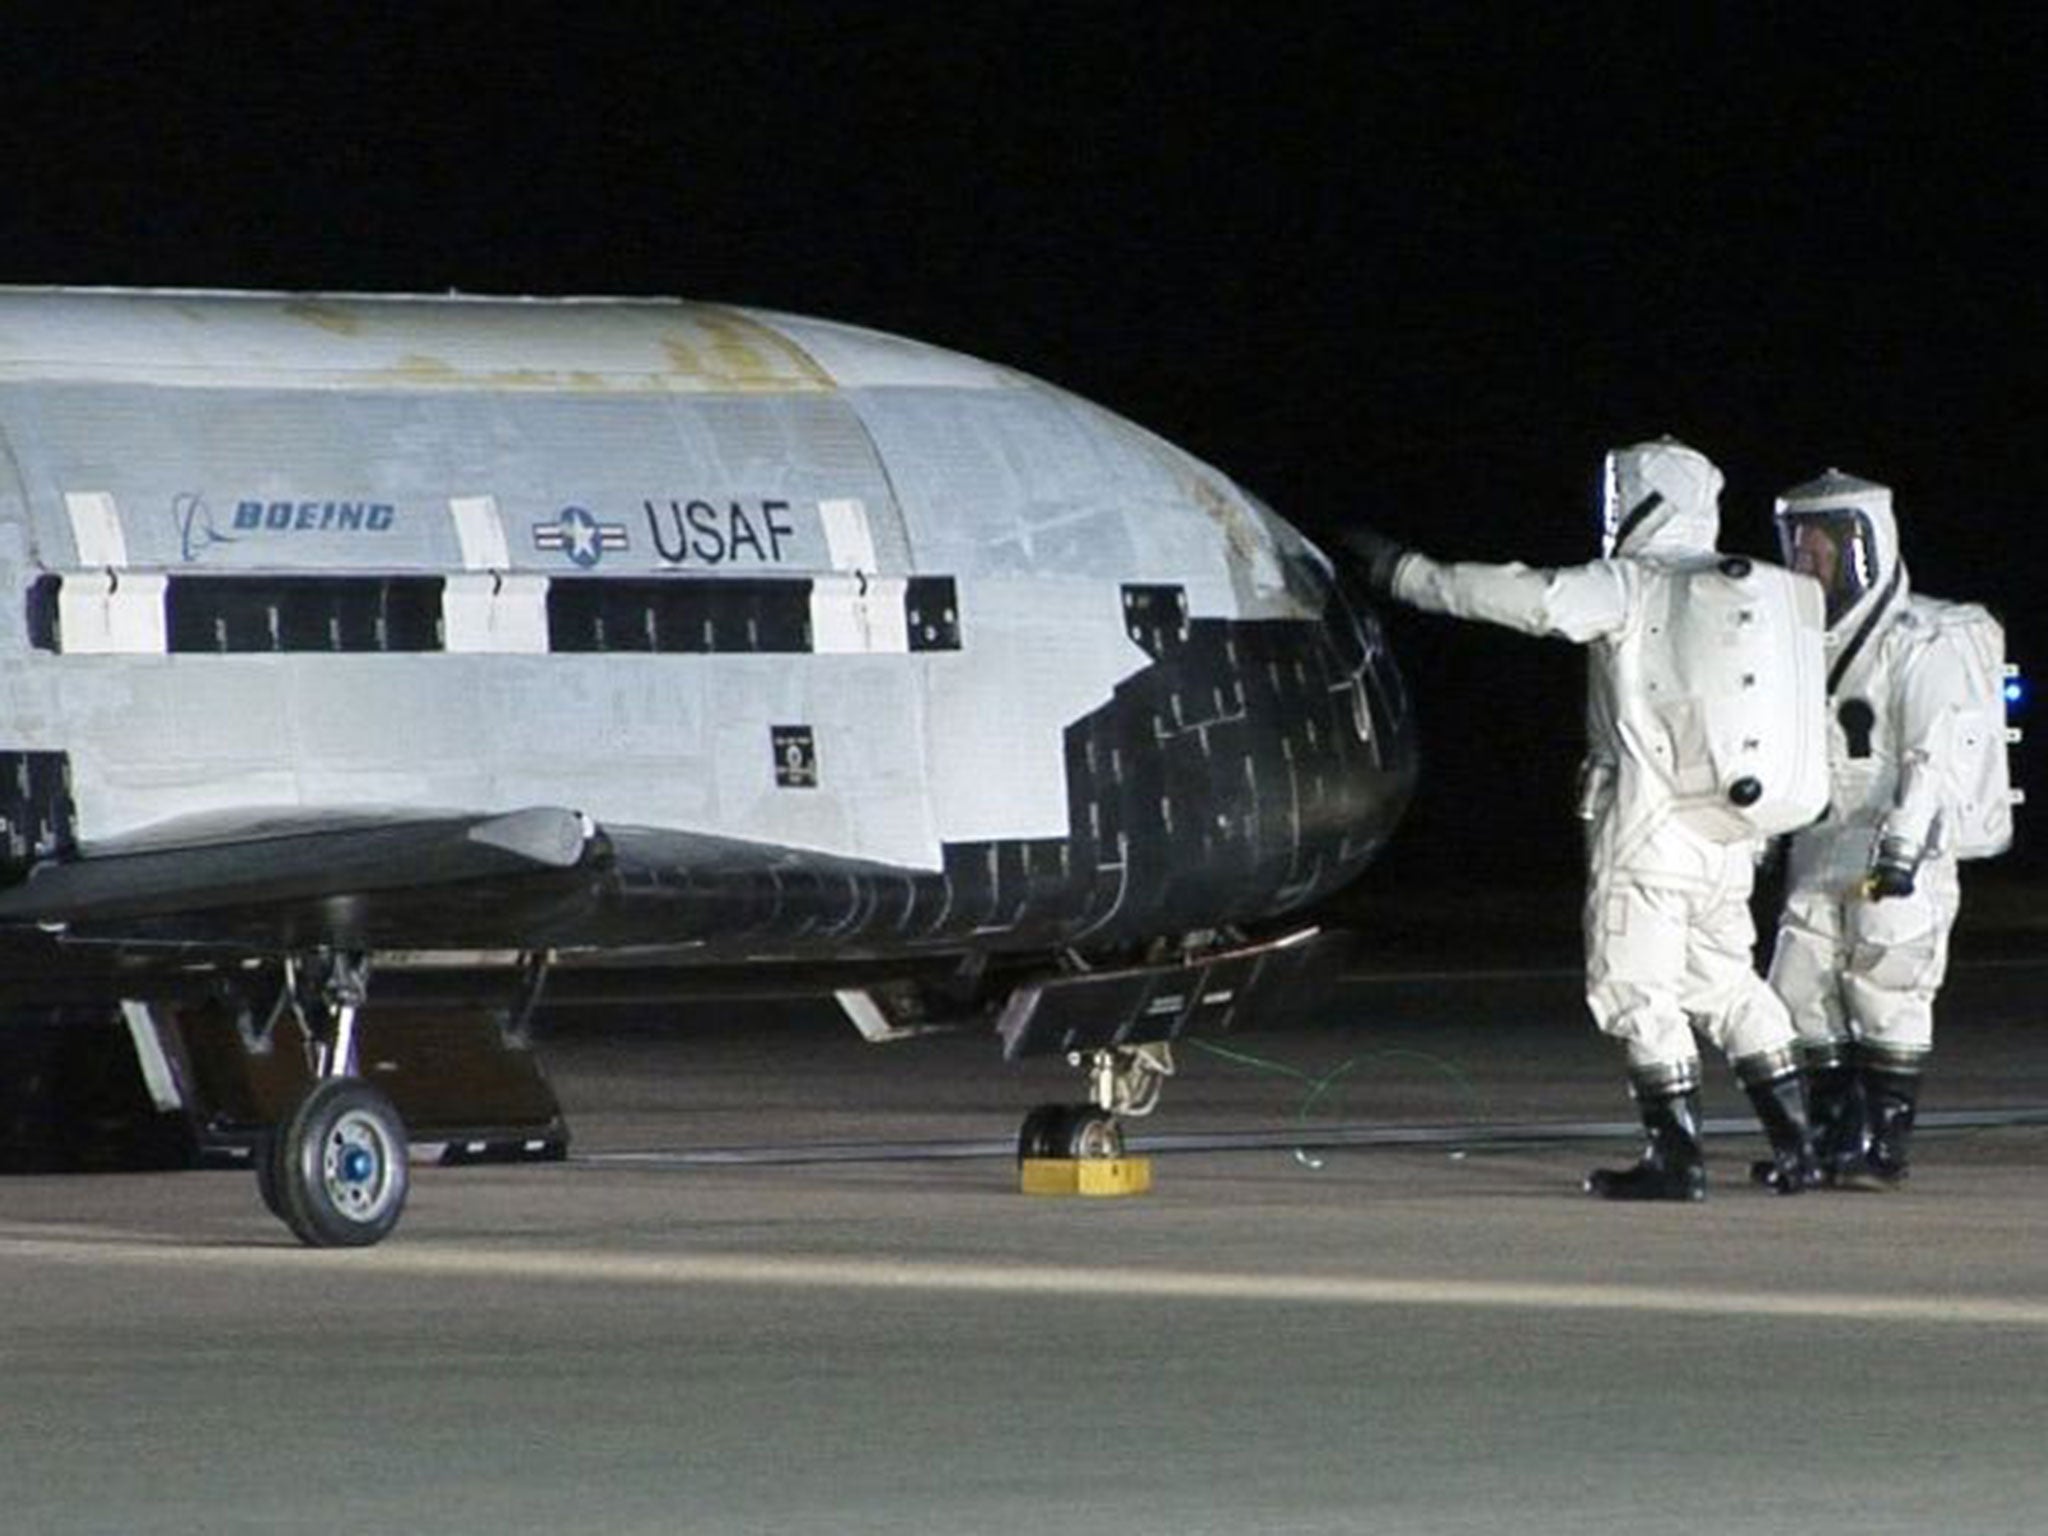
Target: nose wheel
(1078,1131)
(1124,1082)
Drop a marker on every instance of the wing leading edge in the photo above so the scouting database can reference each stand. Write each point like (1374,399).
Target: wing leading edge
(280,857)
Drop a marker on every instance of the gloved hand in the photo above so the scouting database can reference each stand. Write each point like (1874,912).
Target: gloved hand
(1891,872)
(1377,553)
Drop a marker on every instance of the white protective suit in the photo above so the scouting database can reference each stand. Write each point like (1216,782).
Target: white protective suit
(1667,922)
(1849,967)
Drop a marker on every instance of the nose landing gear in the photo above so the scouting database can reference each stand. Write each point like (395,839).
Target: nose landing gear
(1124,1082)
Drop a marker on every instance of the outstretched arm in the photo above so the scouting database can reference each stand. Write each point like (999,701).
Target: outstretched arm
(1579,603)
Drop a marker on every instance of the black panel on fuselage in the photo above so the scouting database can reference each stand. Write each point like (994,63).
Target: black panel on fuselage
(1253,767)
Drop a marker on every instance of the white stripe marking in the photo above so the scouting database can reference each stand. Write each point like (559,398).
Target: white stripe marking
(858,616)
(849,541)
(113,613)
(480,532)
(407,1260)
(96,529)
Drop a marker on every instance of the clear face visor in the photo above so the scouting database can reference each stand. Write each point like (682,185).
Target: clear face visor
(1836,548)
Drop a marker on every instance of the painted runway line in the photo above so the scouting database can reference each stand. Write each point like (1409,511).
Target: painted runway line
(1310,1134)
(531,1265)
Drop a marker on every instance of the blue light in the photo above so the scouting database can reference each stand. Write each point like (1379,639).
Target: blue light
(2015,692)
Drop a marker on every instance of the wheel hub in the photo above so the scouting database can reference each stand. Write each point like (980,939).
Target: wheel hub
(357,1168)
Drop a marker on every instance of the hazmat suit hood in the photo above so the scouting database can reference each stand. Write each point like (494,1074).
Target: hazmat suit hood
(1839,530)
(1661,500)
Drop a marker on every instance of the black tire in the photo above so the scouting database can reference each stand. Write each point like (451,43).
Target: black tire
(269,1172)
(1092,1135)
(1045,1132)
(341,1170)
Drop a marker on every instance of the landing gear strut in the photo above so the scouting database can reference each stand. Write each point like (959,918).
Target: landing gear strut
(1124,1082)
(335,1169)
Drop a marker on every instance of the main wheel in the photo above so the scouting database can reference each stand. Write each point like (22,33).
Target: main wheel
(340,1168)
(268,1172)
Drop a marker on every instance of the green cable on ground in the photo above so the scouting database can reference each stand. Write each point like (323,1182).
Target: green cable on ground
(1320,1086)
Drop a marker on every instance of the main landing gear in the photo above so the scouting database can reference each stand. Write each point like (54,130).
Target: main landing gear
(1124,1082)
(335,1168)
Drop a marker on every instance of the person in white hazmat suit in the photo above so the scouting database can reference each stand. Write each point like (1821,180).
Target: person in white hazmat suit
(1668,928)
(1862,945)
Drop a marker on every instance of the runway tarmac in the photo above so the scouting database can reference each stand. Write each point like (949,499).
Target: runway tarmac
(1440,1337)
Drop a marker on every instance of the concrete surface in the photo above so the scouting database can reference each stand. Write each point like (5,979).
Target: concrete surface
(1435,1340)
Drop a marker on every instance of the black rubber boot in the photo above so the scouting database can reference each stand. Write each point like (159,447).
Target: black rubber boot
(1834,1103)
(1780,1103)
(1834,1109)
(1671,1167)
(1893,1099)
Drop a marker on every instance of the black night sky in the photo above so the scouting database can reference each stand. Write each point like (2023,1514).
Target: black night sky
(1417,264)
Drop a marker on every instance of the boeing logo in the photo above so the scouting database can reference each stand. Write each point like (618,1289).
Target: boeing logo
(315,516)
(199,530)
(579,536)
(196,533)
